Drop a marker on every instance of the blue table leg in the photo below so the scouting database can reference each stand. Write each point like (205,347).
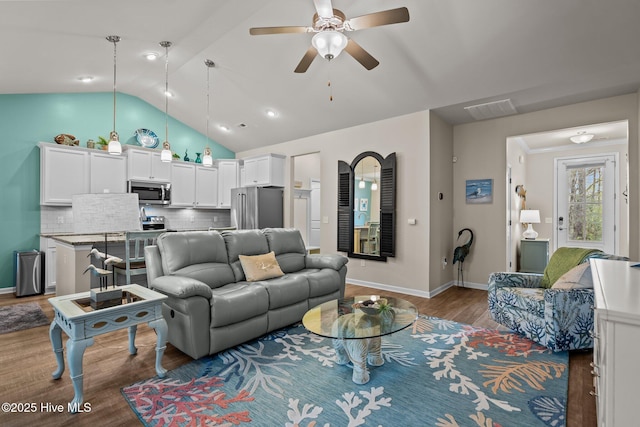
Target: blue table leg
(160,326)
(55,335)
(132,339)
(75,352)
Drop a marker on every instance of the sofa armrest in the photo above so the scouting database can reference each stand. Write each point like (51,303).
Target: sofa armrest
(568,317)
(333,261)
(514,280)
(181,287)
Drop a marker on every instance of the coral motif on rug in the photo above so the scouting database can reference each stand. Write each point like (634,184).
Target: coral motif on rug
(437,373)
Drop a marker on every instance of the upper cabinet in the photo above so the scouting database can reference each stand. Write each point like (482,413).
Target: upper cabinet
(265,170)
(64,171)
(193,186)
(228,172)
(145,165)
(108,173)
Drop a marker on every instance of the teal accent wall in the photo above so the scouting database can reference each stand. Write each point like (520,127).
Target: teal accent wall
(26,119)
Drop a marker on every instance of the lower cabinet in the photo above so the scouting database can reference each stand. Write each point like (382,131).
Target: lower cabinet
(616,341)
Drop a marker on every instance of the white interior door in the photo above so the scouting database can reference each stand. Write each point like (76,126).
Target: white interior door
(586,215)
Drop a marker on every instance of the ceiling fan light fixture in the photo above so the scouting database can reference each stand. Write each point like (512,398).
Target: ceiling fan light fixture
(581,137)
(329,43)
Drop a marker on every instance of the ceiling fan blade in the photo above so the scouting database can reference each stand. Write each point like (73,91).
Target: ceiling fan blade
(259,31)
(324,8)
(386,17)
(306,60)
(361,55)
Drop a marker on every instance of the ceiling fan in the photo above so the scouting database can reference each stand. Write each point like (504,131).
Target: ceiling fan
(329,24)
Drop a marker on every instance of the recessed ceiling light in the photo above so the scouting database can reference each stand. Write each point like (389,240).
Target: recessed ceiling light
(224,128)
(151,56)
(85,79)
(272,113)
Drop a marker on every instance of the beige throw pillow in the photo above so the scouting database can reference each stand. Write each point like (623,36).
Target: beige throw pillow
(260,267)
(577,278)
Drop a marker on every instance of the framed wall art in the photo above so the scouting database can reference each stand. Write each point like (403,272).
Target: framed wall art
(479,191)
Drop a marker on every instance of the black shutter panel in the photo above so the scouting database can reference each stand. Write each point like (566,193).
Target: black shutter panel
(345,216)
(388,206)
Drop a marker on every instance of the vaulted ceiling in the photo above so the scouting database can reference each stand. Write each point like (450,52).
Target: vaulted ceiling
(451,54)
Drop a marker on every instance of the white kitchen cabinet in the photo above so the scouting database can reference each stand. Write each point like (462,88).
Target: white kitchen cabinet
(183,179)
(108,173)
(206,187)
(227,180)
(145,165)
(64,171)
(616,341)
(264,170)
(48,246)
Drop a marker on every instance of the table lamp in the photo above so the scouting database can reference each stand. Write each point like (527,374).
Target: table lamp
(105,213)
(530,217)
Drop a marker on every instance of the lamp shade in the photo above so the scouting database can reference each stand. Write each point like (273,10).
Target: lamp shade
(329,43)
(530,216)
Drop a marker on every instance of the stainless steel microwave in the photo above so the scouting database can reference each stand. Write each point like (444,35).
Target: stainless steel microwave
(152,193)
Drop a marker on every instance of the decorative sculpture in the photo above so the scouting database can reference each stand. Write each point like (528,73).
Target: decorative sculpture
(461,252)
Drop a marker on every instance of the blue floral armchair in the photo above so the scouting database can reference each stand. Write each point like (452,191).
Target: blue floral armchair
(560,319)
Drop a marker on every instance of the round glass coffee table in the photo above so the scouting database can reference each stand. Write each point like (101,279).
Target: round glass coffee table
(356,330)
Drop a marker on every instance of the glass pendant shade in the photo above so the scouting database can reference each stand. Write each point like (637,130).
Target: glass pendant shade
(166,154)
(362,184)
(114,146)
(374,186)
(207,159)
(329,43)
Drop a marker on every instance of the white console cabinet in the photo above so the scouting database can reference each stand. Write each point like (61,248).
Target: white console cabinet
(616,341)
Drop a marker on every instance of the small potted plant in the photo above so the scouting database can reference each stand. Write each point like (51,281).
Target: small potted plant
(102,143)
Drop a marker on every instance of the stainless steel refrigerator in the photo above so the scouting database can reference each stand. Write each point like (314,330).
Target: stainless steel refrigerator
(257,207)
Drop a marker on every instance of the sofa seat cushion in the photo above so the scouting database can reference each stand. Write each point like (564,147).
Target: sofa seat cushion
(530,300)
(322,282)
(286,290)
(214,274)
(237,302)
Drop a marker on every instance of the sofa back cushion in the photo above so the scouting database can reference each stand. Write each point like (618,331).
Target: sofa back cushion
(243,242)
(288,245)
(201,255)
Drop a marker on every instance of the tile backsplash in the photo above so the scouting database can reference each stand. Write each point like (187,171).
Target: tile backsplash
(54,219)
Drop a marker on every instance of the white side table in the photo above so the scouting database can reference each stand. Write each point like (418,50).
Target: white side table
(74,315)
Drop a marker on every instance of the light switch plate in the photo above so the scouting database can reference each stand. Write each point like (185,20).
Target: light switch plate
(325,220)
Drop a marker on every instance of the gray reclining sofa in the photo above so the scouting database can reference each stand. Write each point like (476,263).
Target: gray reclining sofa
(211,306)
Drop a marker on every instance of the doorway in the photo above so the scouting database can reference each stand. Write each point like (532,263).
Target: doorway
(585,205)
(306,198)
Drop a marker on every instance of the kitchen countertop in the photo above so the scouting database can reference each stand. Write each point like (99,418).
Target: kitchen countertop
(85,239)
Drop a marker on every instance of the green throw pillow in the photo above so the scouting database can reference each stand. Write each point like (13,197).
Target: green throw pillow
(563,260)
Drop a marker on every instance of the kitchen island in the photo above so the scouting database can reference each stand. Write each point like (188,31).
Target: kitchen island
(72,258)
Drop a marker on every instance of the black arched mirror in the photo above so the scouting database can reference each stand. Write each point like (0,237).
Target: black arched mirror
(366,206)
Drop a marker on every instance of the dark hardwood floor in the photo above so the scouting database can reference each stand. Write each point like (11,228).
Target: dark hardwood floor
(27,361)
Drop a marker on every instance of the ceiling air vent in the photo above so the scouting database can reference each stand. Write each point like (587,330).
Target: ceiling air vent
(491,110)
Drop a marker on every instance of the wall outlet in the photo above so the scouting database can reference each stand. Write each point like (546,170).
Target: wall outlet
(444,262)
(362,263)
(60,220)
(193,218)
(215,218)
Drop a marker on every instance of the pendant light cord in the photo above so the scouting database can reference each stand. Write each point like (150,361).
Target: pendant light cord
(166,90)
(114,40)
(210,64)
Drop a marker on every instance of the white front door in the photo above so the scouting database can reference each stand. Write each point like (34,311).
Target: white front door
(585,202)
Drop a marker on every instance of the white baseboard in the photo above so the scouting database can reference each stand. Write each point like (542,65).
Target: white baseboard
(415,292)
(9,290)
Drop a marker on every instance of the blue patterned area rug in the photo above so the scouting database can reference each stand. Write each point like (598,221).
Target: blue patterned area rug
(437,373)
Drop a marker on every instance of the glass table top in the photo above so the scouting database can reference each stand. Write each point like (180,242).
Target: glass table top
(350,318)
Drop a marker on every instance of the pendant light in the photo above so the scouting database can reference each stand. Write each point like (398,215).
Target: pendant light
(374,185)
(114,143)
(166,155)
(207,159)
(362,184)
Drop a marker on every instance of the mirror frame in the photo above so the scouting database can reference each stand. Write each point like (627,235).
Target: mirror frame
(346,190)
